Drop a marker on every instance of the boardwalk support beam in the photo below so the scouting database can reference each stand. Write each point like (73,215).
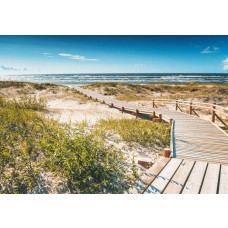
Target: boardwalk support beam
(220,119)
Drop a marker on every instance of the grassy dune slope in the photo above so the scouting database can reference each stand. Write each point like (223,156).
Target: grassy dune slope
(130,92)
(40,155)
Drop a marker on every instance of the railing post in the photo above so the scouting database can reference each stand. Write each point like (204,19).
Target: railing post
(171,121)
(153,103)
(176,104)
(213,113)
(190,108)
(153,114)
(160,117)
(166,152)
(137,113)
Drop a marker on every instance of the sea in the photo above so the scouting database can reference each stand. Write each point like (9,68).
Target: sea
(143,78)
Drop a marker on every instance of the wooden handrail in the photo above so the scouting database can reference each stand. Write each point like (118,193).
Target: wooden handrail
(173,101)
(211,107)
(208,106)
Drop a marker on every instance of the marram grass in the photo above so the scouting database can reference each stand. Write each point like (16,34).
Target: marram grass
(31,145)
(144,132)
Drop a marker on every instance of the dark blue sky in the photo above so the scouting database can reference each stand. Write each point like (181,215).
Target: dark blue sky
(113,54)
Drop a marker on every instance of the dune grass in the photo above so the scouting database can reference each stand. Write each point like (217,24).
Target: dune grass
(134,92)
(24,102)
(8,84)
(144,132)
(31,145)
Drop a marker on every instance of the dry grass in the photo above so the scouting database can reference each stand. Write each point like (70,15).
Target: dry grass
(130,92)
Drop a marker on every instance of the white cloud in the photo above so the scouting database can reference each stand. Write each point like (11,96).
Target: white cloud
(77,57)
(209,50)
(7,68)
(216,48)
(225,64)
(46,53)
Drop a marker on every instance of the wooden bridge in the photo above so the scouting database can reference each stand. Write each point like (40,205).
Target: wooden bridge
(199,143)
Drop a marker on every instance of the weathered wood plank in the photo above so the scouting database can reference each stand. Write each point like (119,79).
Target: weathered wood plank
(176,184)
(223,186)
(145,180)
(161,181)
(210,183)
(195,179)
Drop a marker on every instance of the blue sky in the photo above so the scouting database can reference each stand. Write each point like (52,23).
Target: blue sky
(113,54)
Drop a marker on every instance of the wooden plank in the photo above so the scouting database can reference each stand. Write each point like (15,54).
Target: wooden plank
(145,180)
(195,179)
(210,183)
(176,184)
(223,186)
(161,181)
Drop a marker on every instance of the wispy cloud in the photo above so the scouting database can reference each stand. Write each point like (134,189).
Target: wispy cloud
(225,64)
(46,53)
(13,68)
(209,50)
(76,57)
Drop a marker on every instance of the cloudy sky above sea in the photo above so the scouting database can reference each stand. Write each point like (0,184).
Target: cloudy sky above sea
(113,54)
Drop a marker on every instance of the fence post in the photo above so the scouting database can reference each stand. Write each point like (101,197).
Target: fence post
(160,117)
(166,152)
(176,104)
(213,114)
(137,113)
(190,108)
(153,103)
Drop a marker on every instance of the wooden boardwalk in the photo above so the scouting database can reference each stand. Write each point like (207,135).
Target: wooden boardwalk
(193,138)
(179,176)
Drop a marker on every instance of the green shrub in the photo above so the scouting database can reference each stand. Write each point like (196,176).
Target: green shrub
(24,102)
(7,84)
(31,145)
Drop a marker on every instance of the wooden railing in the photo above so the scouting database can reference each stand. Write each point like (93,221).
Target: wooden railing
(217,112)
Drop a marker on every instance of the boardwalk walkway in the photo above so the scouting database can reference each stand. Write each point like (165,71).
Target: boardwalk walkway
(193,138)
(178,176)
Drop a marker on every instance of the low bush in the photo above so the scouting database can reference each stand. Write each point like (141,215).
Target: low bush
(31,145)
